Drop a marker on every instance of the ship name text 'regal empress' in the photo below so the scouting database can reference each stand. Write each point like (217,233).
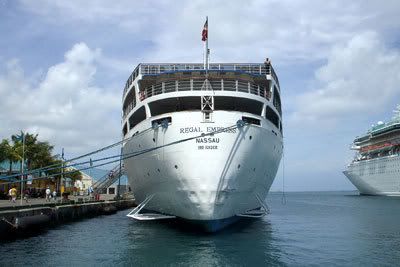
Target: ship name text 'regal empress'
(195,129)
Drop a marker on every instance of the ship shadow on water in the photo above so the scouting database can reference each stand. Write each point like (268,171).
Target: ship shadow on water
(175,242)
(190,228)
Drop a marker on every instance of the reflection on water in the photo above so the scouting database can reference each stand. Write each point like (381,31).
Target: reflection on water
(312,228)
(247,242)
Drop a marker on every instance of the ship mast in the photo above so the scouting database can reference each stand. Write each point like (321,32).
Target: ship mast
(207,100)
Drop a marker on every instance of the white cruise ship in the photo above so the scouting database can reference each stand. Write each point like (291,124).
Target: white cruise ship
(375,169)
(203,145)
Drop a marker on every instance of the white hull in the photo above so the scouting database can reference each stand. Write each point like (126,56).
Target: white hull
(380,176)
(210,178)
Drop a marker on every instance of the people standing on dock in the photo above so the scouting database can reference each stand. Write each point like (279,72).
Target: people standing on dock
(90,191)
(48,194)
(13,194)
(55,195)
(9,194)
(27,195)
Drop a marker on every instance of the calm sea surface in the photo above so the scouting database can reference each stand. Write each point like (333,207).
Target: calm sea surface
(320,228)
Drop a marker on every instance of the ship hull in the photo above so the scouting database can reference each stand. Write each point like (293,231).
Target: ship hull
(208,180)
(380,176)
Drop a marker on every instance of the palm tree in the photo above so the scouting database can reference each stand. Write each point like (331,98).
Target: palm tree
(9,152)
(4,148)
(38,154)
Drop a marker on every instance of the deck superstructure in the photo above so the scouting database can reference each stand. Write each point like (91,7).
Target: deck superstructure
(233,114)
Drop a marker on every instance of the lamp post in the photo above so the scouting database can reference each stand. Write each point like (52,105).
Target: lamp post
(22,165)
(119,174)
(62,182)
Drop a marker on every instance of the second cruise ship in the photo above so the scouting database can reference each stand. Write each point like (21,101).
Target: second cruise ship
(375,169)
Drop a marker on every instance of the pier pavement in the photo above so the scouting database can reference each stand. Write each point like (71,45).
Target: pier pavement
(42,201)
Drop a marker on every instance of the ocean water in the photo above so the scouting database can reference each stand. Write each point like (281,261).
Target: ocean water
(315,228)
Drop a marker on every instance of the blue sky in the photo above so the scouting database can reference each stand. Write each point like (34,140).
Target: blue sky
(63,65)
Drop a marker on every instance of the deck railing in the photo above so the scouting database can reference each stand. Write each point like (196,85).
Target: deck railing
(155,69)
(198,85)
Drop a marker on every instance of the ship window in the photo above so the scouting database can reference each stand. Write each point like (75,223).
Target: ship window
(175,104)
(130,101)
(238,104)
(272,116)
(125,129)
(251,121)
(277,101)
(137,117)
(161,121)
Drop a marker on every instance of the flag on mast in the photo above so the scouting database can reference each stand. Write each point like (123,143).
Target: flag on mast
(204,33)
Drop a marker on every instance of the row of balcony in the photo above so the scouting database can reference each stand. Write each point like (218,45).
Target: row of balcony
(199,85)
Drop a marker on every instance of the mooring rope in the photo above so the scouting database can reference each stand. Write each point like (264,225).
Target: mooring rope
(239,124)
(283,177)
(58,165)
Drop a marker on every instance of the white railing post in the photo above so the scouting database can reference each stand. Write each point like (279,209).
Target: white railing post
(222,84)
(163,87)
(191,84)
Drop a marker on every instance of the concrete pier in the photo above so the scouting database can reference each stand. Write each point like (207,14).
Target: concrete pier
(18,220)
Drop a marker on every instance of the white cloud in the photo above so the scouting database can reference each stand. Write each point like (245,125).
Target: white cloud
(64,107)
(360,77)
(286,31)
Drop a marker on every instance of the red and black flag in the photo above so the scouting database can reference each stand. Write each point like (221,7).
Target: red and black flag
(204,33)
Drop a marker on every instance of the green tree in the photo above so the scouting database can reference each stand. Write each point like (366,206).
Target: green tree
(4,150)
(38,154)
(9,152)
